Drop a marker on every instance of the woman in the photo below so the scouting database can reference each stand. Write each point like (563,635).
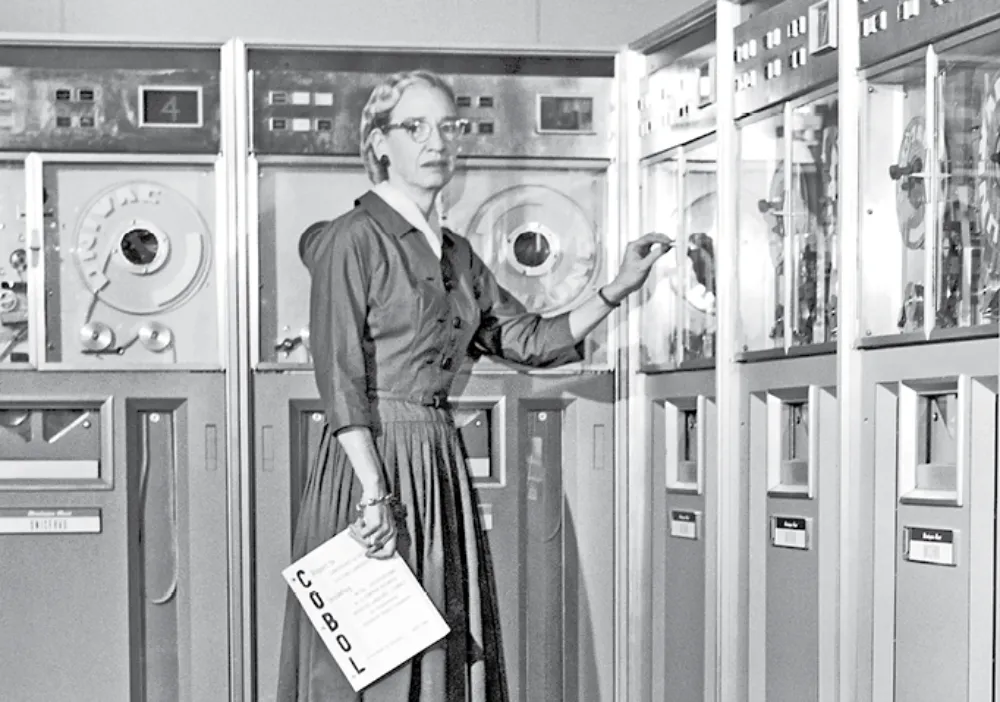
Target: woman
(396,306)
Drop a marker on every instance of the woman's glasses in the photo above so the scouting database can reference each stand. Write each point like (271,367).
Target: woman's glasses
(419,129)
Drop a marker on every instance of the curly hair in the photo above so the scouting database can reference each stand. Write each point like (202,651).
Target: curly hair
(380,104)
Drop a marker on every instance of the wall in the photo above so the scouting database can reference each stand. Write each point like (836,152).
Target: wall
(555,24)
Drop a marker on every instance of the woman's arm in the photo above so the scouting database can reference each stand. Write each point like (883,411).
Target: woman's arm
(360,448)
(509,332)
(640,255)
(340,264)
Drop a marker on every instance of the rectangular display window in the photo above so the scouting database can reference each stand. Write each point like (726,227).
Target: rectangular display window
(895,190)
(659,313)
(811,219)
(967,224)
(678,304)
(763,220)
(697,276)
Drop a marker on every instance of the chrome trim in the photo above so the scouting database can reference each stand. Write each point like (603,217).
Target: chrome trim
(839,649)
(632,501)
(932,242)
(253,259)
(34,230)
(527,51)
(129,158)
(731,626)
(238,431)
(475,162)
(617,340)
(790,270)
(665,155)
(46,39)
(223,234)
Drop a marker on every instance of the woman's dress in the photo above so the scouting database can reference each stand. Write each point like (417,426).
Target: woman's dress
(390,327)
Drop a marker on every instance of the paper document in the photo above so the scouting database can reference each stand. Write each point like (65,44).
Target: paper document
(372,614)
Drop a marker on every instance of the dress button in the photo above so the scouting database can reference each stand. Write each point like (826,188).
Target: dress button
(457,323)
(446,364)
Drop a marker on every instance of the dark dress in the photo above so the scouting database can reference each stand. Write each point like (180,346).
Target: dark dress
(390,327)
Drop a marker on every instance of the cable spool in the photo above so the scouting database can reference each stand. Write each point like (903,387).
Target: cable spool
(8,300)
(155,336)
(96,337)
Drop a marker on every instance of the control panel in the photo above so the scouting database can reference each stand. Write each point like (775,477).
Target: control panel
(109,109)
(783,52)
(513,109)
(892,27)
(677,101)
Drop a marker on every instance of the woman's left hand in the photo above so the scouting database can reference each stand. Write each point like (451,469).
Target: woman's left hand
(640,255)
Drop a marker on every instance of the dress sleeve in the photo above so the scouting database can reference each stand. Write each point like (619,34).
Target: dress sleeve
(509,332)
(340,267)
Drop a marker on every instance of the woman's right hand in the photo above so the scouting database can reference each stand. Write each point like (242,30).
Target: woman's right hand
(375,529)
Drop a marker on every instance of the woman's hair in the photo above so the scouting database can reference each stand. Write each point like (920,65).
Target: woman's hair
(383,99)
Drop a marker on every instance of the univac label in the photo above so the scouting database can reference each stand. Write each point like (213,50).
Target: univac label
(790,532)
(932,546)
(50,521)
(684,524)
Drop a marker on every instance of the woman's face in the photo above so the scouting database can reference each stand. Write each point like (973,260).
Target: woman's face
(422,111)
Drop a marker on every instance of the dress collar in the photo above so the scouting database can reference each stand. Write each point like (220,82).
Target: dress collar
(390,219)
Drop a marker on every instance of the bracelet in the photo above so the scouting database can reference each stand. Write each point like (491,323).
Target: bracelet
(384,499)
(606,301)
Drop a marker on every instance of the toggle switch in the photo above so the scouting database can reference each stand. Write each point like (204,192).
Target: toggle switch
(907,9)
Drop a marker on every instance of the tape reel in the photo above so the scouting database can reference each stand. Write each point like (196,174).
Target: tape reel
(540,245)
(910,174)
(689,267)
(142,252)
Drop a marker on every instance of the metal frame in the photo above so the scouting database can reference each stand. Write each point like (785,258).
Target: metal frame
(235,147)
(104,407)
(732,607)
(634,421)
(246,169)
(34,166)
(634,579)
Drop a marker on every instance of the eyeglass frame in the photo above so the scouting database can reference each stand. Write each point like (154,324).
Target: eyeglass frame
(412,124)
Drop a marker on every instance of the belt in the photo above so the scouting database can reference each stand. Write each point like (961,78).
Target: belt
(437,400)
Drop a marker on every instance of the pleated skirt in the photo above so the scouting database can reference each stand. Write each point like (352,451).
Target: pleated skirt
(441,539)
